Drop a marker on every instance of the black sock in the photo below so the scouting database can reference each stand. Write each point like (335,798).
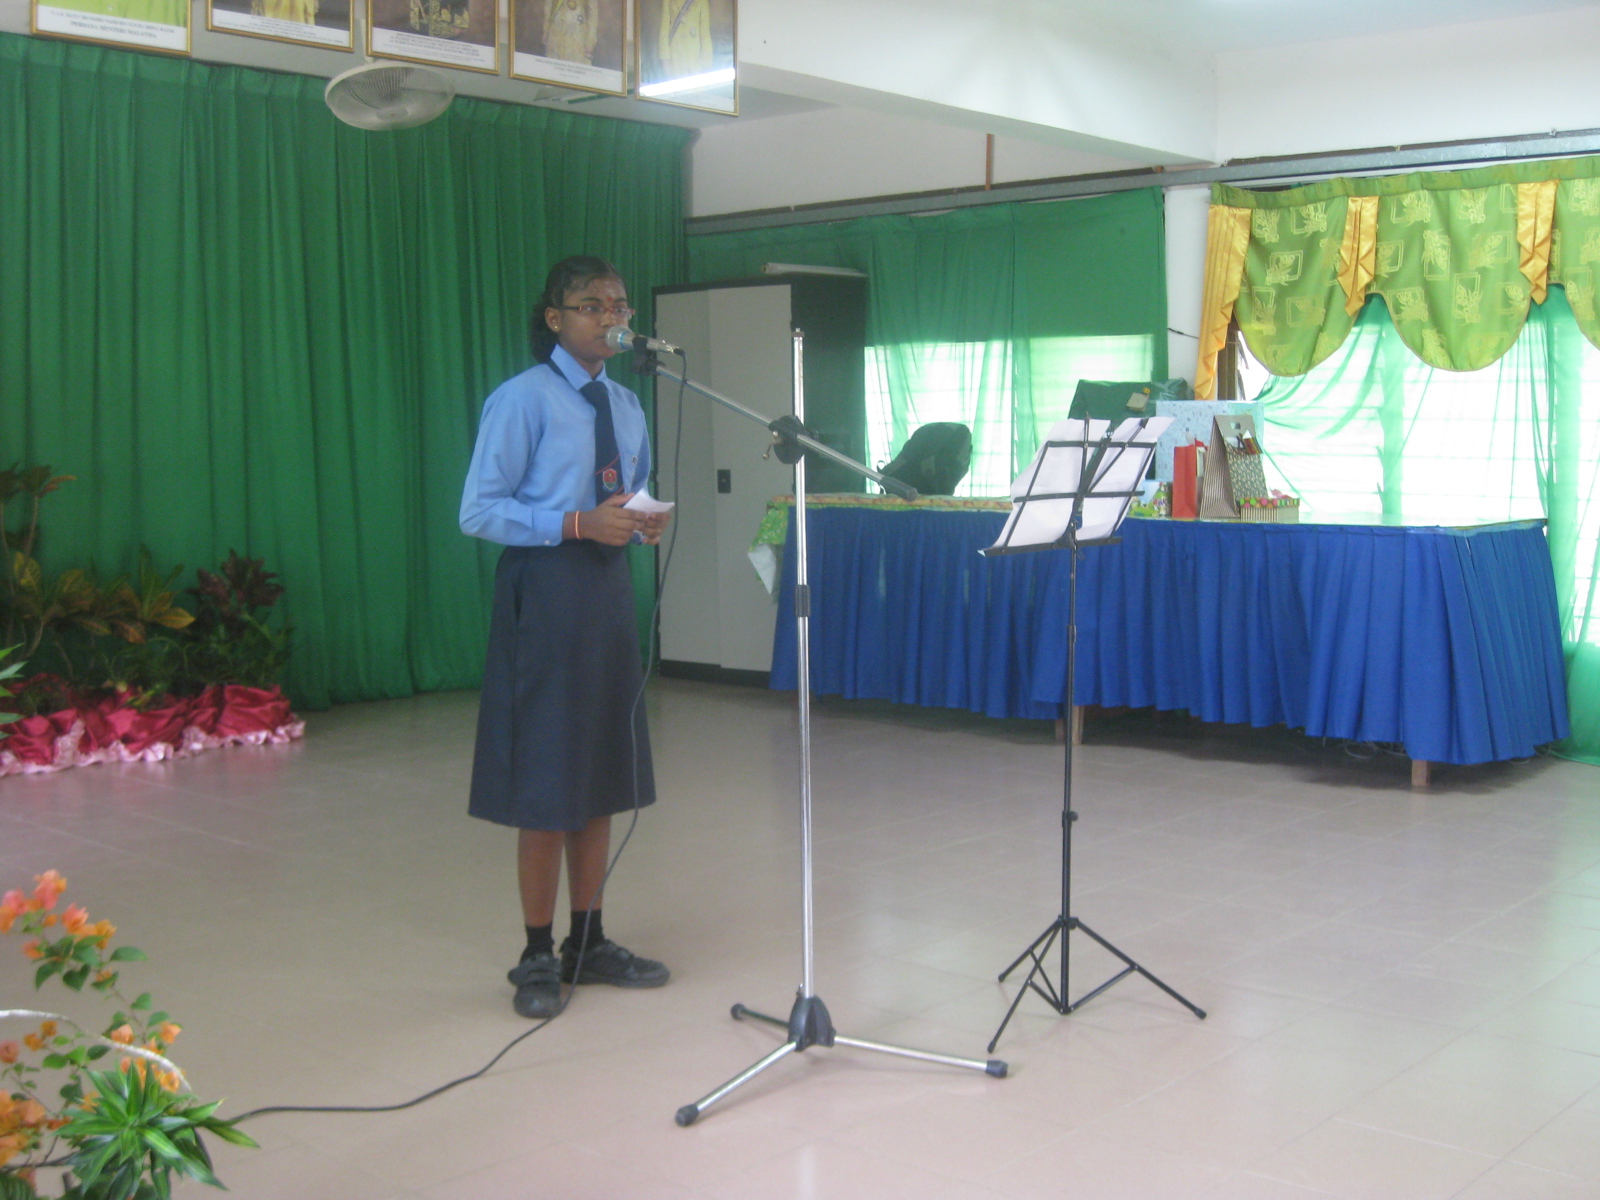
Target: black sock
(596,933)
(541,940)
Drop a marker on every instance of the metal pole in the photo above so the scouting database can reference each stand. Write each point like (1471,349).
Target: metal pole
(1067,815)
(809,1023)
(802,641)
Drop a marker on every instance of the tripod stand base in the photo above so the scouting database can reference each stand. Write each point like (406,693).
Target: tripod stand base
(1056,997)
(810,1025)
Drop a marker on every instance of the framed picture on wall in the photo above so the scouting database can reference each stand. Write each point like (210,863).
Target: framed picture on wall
(572,43)
(685,53)
(449,33)
(147,24)
(313,22)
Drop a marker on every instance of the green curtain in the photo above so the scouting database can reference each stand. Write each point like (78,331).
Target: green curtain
(1374,429)
(242,324)
(1458,255)
(986,315)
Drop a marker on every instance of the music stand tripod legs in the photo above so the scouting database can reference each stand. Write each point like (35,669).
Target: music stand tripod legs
(808,1024)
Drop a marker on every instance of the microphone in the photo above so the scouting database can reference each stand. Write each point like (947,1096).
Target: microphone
(620,337)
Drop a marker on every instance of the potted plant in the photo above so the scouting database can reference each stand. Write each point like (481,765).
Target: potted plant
(111,1108)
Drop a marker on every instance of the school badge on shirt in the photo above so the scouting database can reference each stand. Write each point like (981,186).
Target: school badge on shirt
(608,478)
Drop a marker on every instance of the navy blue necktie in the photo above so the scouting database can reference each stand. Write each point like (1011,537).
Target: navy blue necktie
(607,473)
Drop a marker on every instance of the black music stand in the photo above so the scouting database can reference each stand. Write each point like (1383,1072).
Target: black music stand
(1075,494)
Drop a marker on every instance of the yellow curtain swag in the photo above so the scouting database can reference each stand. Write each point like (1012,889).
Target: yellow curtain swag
(1227,238)
(1358,255)
(1536,208)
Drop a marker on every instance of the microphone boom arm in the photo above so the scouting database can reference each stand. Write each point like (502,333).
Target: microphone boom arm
(787,432)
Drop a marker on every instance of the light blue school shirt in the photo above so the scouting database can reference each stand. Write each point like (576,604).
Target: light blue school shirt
(534,461)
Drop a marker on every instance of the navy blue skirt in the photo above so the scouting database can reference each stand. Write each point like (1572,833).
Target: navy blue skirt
(560,740)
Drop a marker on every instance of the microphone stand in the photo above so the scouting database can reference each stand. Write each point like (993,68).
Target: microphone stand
(808,1023)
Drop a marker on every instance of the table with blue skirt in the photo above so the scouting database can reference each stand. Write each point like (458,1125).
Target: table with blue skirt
(1445,641)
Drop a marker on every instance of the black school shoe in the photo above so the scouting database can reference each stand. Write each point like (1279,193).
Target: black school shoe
(538,982)
(607,962)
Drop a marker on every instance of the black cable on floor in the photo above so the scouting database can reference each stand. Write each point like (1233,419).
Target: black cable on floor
(633,823)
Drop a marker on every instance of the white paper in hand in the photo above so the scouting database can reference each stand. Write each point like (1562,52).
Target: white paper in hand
(643,501)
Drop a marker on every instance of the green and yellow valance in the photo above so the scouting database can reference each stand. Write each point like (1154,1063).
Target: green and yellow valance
(1457,255)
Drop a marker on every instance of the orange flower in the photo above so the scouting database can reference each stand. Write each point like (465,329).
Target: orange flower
(31,1112)
(9,1052)
(47,1029)
(122,1035)
(168,1031)
(49,921)
(169,1081)
(51,885)
(103,975)
(32,1042)
(10,1147)
(102,930)
(12,906)
(74,919)
(32,949)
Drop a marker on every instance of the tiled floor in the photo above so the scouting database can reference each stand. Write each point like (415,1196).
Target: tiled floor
(1403,988)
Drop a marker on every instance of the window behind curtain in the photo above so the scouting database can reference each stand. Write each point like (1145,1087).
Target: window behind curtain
(984,386)
(1374,430)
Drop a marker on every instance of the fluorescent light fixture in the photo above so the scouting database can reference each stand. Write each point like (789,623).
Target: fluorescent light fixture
(689,83)
(777,268)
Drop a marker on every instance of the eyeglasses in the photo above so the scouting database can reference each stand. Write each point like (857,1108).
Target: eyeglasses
(620,311)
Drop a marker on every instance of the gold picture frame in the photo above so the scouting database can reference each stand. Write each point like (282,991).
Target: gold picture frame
(463,34)
(686,53)
(123,23)
(285,21)
(578,44)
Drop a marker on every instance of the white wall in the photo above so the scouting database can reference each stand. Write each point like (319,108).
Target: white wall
(1042,70)
(1479,80)
(1186,256)
(846,153)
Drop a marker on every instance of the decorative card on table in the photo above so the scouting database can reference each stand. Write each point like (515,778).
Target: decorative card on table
(1191,421)
(1233,467)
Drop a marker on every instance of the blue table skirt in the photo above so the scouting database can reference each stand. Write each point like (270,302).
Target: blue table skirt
(1445,641)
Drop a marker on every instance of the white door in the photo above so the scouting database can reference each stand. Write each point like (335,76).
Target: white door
(715,610)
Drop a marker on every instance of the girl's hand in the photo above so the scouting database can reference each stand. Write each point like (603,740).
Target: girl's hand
(611,524)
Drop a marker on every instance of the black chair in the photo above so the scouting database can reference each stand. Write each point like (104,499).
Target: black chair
(934,459)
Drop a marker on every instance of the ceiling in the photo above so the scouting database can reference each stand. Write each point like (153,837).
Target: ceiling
(1212,26)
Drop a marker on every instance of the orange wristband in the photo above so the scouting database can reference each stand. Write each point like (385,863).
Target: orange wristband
(577,530)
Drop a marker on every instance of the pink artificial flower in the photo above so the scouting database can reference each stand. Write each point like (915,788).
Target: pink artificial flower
(51,885)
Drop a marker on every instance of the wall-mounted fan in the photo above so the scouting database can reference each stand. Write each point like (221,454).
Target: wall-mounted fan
(388,95)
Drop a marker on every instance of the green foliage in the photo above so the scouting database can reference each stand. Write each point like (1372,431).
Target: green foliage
(136,1134)
(8,672)
(129,636)
(127,1129)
